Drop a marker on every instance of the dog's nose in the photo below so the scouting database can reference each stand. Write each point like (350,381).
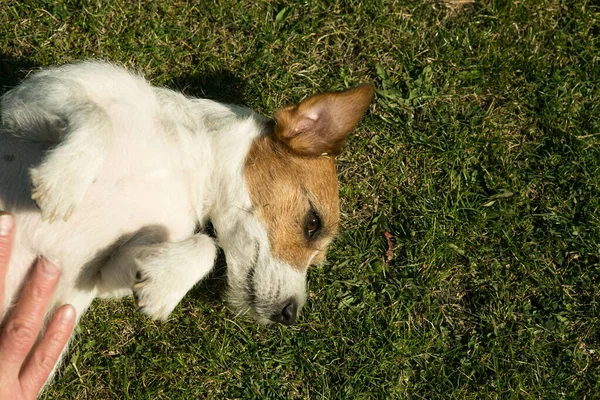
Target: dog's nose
(287,316)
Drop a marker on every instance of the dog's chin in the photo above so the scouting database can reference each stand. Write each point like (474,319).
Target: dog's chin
(261,319)
(242,305)
(242,308)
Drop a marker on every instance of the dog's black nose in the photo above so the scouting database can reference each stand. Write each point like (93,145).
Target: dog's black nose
(287,316)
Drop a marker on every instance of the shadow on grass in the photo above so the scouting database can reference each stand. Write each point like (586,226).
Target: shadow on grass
(212,288)
(223,86)
(12,71)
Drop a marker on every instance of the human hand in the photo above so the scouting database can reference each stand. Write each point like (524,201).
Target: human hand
(22,374)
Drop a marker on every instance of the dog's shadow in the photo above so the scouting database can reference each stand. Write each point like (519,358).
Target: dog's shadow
(212,288)
(222,86)
(12,71)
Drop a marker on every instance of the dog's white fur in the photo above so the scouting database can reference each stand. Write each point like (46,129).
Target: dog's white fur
(160,164)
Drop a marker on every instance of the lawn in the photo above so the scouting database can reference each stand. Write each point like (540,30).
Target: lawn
(468,263)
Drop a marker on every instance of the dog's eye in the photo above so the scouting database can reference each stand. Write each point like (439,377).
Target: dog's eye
(313,224)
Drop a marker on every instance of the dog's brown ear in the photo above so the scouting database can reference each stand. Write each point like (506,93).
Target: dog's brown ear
(319,125)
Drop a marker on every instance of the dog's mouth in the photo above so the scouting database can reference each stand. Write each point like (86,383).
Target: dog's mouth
(251,289)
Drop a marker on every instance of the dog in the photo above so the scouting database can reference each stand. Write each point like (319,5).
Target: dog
(116,180)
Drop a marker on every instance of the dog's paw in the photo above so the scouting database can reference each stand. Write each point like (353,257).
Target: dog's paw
(165,272)
(56,189)
(156,293)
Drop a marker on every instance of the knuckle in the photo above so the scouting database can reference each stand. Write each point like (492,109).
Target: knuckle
(40,291)
(44,359)
(21,333)
(46,355)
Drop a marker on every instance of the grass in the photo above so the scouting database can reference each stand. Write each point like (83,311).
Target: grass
(480,156)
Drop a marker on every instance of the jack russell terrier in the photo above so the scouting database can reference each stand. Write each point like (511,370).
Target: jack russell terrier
(115,180)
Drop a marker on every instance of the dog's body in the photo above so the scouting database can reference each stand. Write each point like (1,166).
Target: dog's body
(125,177)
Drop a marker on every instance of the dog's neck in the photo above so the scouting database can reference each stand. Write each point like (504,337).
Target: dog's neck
(225,148)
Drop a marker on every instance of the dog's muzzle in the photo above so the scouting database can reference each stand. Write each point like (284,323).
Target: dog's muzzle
(288,309)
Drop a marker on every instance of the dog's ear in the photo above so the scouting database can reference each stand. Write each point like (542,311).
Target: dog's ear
(319,125)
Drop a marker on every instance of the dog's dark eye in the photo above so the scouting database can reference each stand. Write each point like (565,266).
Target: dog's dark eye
(313,224)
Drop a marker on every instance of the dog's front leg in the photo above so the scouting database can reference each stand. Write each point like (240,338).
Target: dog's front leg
(60,181)
(160,274)
(166,274)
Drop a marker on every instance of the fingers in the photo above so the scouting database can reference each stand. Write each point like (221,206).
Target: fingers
(22,327)
(7,228)
(41,362)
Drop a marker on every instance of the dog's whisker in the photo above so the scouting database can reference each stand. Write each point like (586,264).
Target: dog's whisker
(248,210)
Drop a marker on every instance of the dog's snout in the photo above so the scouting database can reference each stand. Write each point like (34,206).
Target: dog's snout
(288,313)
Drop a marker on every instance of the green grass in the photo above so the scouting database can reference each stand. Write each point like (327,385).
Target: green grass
(480,155)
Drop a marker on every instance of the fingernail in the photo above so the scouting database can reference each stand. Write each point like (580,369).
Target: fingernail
(67,314)
(6,224)
(49,268)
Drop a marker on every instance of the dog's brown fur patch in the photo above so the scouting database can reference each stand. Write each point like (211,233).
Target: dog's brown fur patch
(283,187)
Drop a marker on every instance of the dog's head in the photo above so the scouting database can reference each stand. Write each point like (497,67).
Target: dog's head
(292,184)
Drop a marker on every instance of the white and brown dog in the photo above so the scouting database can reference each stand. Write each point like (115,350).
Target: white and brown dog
(115,180)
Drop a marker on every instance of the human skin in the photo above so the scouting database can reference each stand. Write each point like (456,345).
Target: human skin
(24,371)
